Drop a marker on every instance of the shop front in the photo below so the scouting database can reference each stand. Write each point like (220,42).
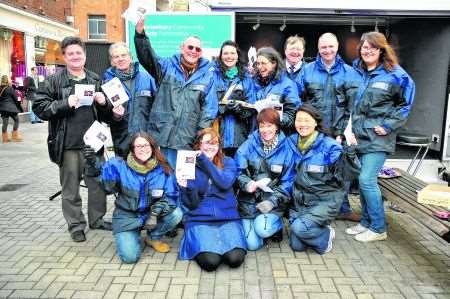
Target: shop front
(28,40)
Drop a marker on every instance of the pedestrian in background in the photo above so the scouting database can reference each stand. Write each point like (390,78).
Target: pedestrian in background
(31,85)
(9,108)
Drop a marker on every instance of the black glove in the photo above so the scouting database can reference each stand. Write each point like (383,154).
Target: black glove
(161,208)
(232,107)
(91,158)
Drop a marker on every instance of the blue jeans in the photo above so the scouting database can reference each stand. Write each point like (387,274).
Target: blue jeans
(263,226)
(372,208)
(33,117)
(346,208)
(128,243)
(307,233)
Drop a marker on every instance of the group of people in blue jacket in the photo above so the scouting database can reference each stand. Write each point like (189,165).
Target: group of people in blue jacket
(253,170)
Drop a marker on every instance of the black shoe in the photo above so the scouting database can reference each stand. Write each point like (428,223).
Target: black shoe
(33,122)
(78,236)
(40,122)
(277,237)
(172,234)
(103,225)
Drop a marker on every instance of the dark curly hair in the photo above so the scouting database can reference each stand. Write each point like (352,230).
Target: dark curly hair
(240,65)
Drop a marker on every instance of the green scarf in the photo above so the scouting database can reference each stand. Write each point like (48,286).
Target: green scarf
(141,168)
(305,143)
(231,73)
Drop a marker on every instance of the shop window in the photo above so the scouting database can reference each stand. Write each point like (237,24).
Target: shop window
(97,27)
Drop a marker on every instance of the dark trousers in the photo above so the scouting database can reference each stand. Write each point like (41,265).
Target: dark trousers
(70,176)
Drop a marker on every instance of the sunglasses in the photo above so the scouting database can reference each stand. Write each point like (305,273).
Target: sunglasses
(191,47)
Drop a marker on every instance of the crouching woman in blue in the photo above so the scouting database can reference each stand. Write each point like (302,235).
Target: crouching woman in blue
(213,233)
(318,188)
(145,187)
(265,155)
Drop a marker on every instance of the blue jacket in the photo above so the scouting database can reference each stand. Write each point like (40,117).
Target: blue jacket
(318,189)
(380,98)
(235,124)
(136,192)
(137,109)
(285,91)
(181,106)
(210,197)
(254,164)
(324,90)
(296,76)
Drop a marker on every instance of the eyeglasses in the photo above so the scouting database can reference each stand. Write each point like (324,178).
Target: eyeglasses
(369,50)
(210,142)
(142,146)
(262,63)
(191,47)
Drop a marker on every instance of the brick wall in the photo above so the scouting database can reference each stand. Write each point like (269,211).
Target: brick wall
(53,9)
(115,26)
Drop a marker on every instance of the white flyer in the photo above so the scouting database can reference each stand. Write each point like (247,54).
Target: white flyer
(262,184)
(348,131)
(85,92)
(185,168)
(269,103)
(252,56)
(96,136)
(115,92)
(137,9)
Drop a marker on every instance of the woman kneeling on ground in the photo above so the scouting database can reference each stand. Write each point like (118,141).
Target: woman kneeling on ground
(318,188)
(213,232)
(145,186)
(266,166)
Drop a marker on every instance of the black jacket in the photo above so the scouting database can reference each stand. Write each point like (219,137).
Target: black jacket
(8,100)
(51,103)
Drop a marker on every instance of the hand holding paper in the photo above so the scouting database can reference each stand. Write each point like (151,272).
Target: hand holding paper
(96,136)
(115,92)
(85,94)
(262,184)
(185,167)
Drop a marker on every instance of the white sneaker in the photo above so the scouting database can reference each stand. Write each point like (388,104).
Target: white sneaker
(370,236)
(330,240)
(357,229)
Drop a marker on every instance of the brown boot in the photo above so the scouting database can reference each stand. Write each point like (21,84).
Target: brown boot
(5,138)
(16,137)
(158,246)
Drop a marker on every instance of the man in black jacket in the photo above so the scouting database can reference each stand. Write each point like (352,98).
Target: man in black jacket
(68,120)
(31,85)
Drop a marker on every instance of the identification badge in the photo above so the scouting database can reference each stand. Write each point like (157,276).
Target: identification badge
(199,87)
(381,85)
(273,97)
(315,168)
(276,168)
(157,193)
(146,93)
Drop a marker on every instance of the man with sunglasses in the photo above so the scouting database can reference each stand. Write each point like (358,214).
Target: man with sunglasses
(185,101)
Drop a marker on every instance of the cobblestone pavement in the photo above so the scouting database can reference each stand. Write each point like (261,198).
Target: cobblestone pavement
(39,260)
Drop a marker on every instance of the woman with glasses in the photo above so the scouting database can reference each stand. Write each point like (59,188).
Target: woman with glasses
(382,93)
(234,87)
(318,188)
(213,233)
(145,187)
(265,163)
(271,82)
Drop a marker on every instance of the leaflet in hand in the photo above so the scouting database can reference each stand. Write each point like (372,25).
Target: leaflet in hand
(96,136)
(115,92)
(137,9)
(269,103)
(185,168)
(262,184)
(85,93)
(348,131)
(252,56)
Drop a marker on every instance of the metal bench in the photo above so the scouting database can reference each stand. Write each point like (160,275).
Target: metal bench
(415,140)
(402,191)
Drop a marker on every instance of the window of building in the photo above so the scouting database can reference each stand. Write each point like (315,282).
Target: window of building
(97,27)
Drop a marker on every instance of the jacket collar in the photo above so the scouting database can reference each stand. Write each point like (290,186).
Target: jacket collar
(258,145)
(338,62)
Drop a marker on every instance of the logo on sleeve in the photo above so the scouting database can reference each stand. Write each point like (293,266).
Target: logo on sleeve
(146,93)
(199,87)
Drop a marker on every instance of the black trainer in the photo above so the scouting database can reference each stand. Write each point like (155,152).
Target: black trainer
(277,237)
(78,236)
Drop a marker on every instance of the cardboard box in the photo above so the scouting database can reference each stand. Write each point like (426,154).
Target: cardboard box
(434,194)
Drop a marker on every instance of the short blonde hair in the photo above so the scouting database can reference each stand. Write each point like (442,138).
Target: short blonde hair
(5,80)
(294,39)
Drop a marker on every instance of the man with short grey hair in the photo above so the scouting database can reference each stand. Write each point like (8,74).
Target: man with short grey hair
(132,116)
